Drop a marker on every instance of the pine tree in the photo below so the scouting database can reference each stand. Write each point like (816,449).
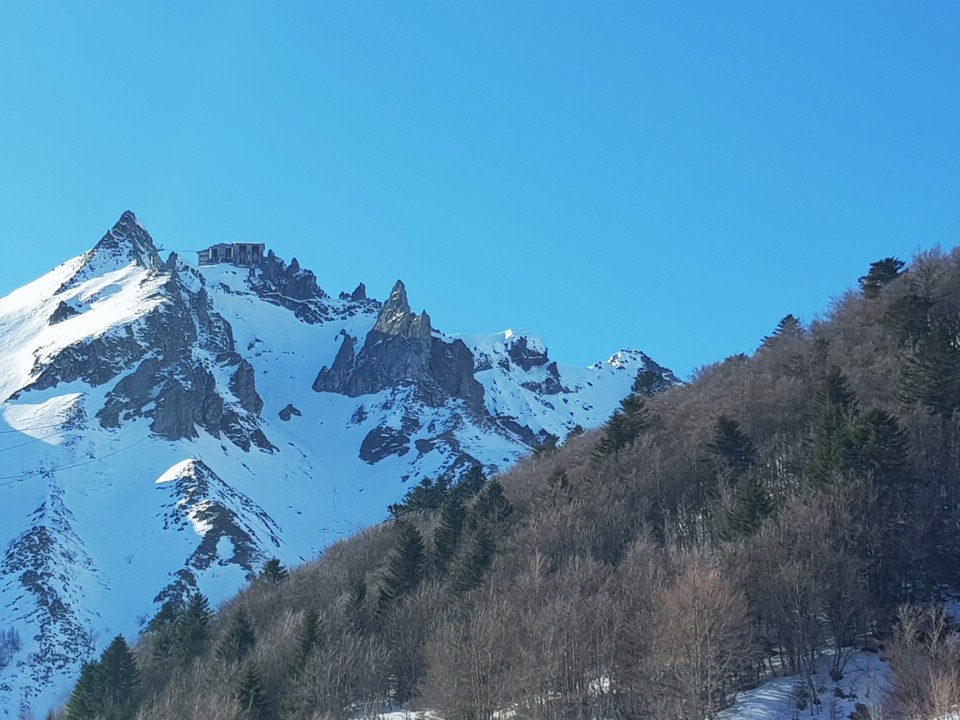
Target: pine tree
(193,632)
(831,452)
(356,610)
(308,638)
(931,375)
(648,383)
(474,560)
(547,447)
(273,571)
(492,508)
(753,505)
(251,698)
(405,565)
(120,680)
(732,447)
(623,427)
(635,413)
(163,629)
(881,273)
(471,483)
(446,535)
(86,700)
(426,495)
(239,640)
(882,457)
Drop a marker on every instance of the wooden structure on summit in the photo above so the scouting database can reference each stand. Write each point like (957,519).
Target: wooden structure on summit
(245,254)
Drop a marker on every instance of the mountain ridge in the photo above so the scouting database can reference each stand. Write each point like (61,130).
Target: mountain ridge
(172,440)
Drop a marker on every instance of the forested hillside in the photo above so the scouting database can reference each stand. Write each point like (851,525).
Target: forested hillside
(776,509)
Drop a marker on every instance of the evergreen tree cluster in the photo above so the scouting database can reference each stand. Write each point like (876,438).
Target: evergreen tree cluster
(181,632)
(627,422)
(428,495)
(108,688)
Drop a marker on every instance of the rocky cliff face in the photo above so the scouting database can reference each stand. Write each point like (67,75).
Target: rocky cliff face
(160,433)
(401,350)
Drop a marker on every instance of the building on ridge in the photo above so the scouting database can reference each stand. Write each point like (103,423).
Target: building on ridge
(233,253)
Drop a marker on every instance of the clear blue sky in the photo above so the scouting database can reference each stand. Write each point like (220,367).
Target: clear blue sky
(669,176)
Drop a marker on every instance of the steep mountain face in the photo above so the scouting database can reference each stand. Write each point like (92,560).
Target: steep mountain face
(166,427)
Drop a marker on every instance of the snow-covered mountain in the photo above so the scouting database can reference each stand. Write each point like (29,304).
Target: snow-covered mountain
(165,427)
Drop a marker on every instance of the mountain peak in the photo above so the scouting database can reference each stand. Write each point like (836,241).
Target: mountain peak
(395,317)
(128,239)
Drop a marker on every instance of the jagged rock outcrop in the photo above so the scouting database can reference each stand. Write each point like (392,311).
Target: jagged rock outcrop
(395,317)
(289,412)
(185,373)
(525,356)
(402,351)
(292,287)
(358,295)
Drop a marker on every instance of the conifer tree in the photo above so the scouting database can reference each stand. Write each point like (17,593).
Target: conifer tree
(492,508)
(251,698)
(356,610)
(881,273)
(239,640)
(831,452)
(405,565)
(309,637)
(107,689)
(623,427)
(86,700)
(163,629)
(446,535)
(273,571)
(193,632)
(471,483)
(882,457)
(426,495)
(931,375)
(648,383)
(752,506)
(789,328)
(119,679)
(732,447)
(474,560)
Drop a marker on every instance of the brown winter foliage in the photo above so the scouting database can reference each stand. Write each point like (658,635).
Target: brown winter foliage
(656,581)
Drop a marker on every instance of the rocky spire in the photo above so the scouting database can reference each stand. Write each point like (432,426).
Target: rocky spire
(395,317)
(128,239)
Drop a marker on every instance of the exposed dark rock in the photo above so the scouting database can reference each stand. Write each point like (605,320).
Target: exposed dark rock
(360,293)
(62,312)
(201,497)
(129,238)
(187,398)
(291,287)
(551,385)
(395,317)
(94,361)
(337,375)
(526,435)
(288,412)
(381,442)
(242,382)
(401,351)
(524,356)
